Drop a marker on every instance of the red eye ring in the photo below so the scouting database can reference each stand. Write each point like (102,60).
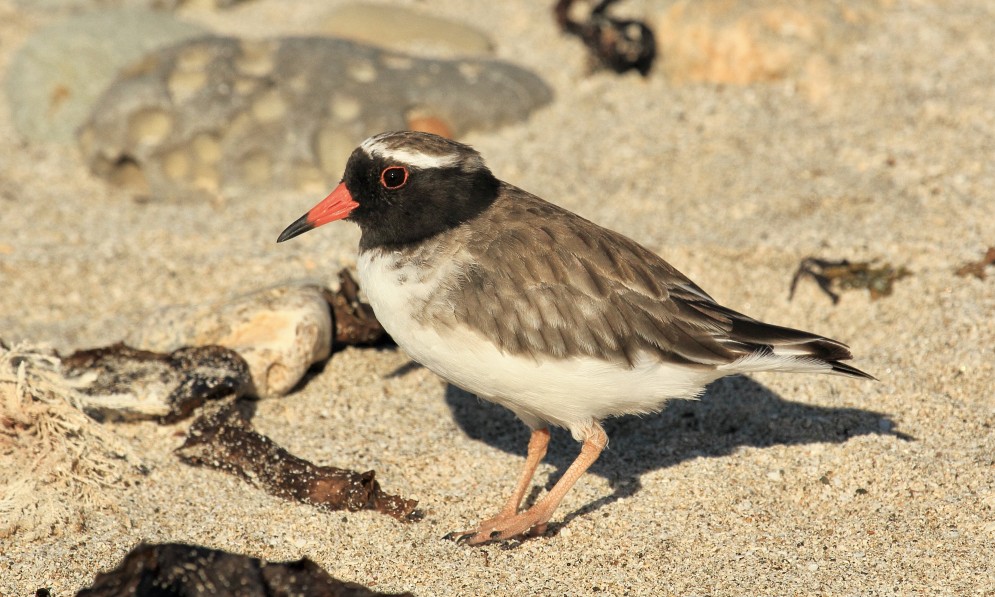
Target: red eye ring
(394,177)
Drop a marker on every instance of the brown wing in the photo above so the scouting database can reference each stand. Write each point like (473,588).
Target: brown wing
(546,281)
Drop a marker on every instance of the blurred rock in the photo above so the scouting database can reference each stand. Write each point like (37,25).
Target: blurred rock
(217,116)
(79,5)
(749,41)
(405,30)
(67,5)
(58,74)
(280,332)
(210,3)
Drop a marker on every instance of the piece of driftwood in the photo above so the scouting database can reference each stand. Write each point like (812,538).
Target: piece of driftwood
(223,438)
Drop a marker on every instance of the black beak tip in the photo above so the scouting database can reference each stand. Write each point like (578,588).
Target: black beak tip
(300,226)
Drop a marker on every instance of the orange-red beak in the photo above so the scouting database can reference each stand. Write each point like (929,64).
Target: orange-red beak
(335,206)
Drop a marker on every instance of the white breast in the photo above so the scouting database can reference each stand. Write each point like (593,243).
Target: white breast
(570,393)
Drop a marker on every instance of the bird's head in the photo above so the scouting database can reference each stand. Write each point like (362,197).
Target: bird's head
(401,187)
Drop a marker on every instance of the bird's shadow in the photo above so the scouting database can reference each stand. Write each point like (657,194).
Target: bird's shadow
(734,411)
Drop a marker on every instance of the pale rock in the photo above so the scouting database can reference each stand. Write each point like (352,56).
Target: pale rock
(405,30)
(280,332)
(216,117)
(751,41)
(56,76)
(78,5)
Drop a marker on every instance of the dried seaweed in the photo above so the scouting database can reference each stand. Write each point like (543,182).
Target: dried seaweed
(977,268)
(223,438)
(195,571)
(126,383)
(355,322)
(618,44)
(834,276)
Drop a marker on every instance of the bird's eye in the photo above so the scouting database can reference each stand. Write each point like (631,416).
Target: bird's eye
(394,177)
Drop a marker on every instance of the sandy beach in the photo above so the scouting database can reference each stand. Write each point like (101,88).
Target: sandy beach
(879,148)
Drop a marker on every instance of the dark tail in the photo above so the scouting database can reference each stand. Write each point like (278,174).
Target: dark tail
(782,340)
(847,370)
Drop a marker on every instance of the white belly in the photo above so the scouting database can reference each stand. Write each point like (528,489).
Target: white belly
(570,393)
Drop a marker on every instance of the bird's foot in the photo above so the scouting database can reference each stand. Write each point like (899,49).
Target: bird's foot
(502,527)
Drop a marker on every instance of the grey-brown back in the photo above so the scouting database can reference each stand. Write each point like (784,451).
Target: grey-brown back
(542,281)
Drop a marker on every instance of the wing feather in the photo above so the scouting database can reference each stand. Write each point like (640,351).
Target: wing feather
(569,287)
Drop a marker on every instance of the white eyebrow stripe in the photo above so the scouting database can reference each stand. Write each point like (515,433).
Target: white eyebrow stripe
(374,147)
(419,160)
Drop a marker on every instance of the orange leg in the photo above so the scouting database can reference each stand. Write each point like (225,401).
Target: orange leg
(538,443)
(509,523)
